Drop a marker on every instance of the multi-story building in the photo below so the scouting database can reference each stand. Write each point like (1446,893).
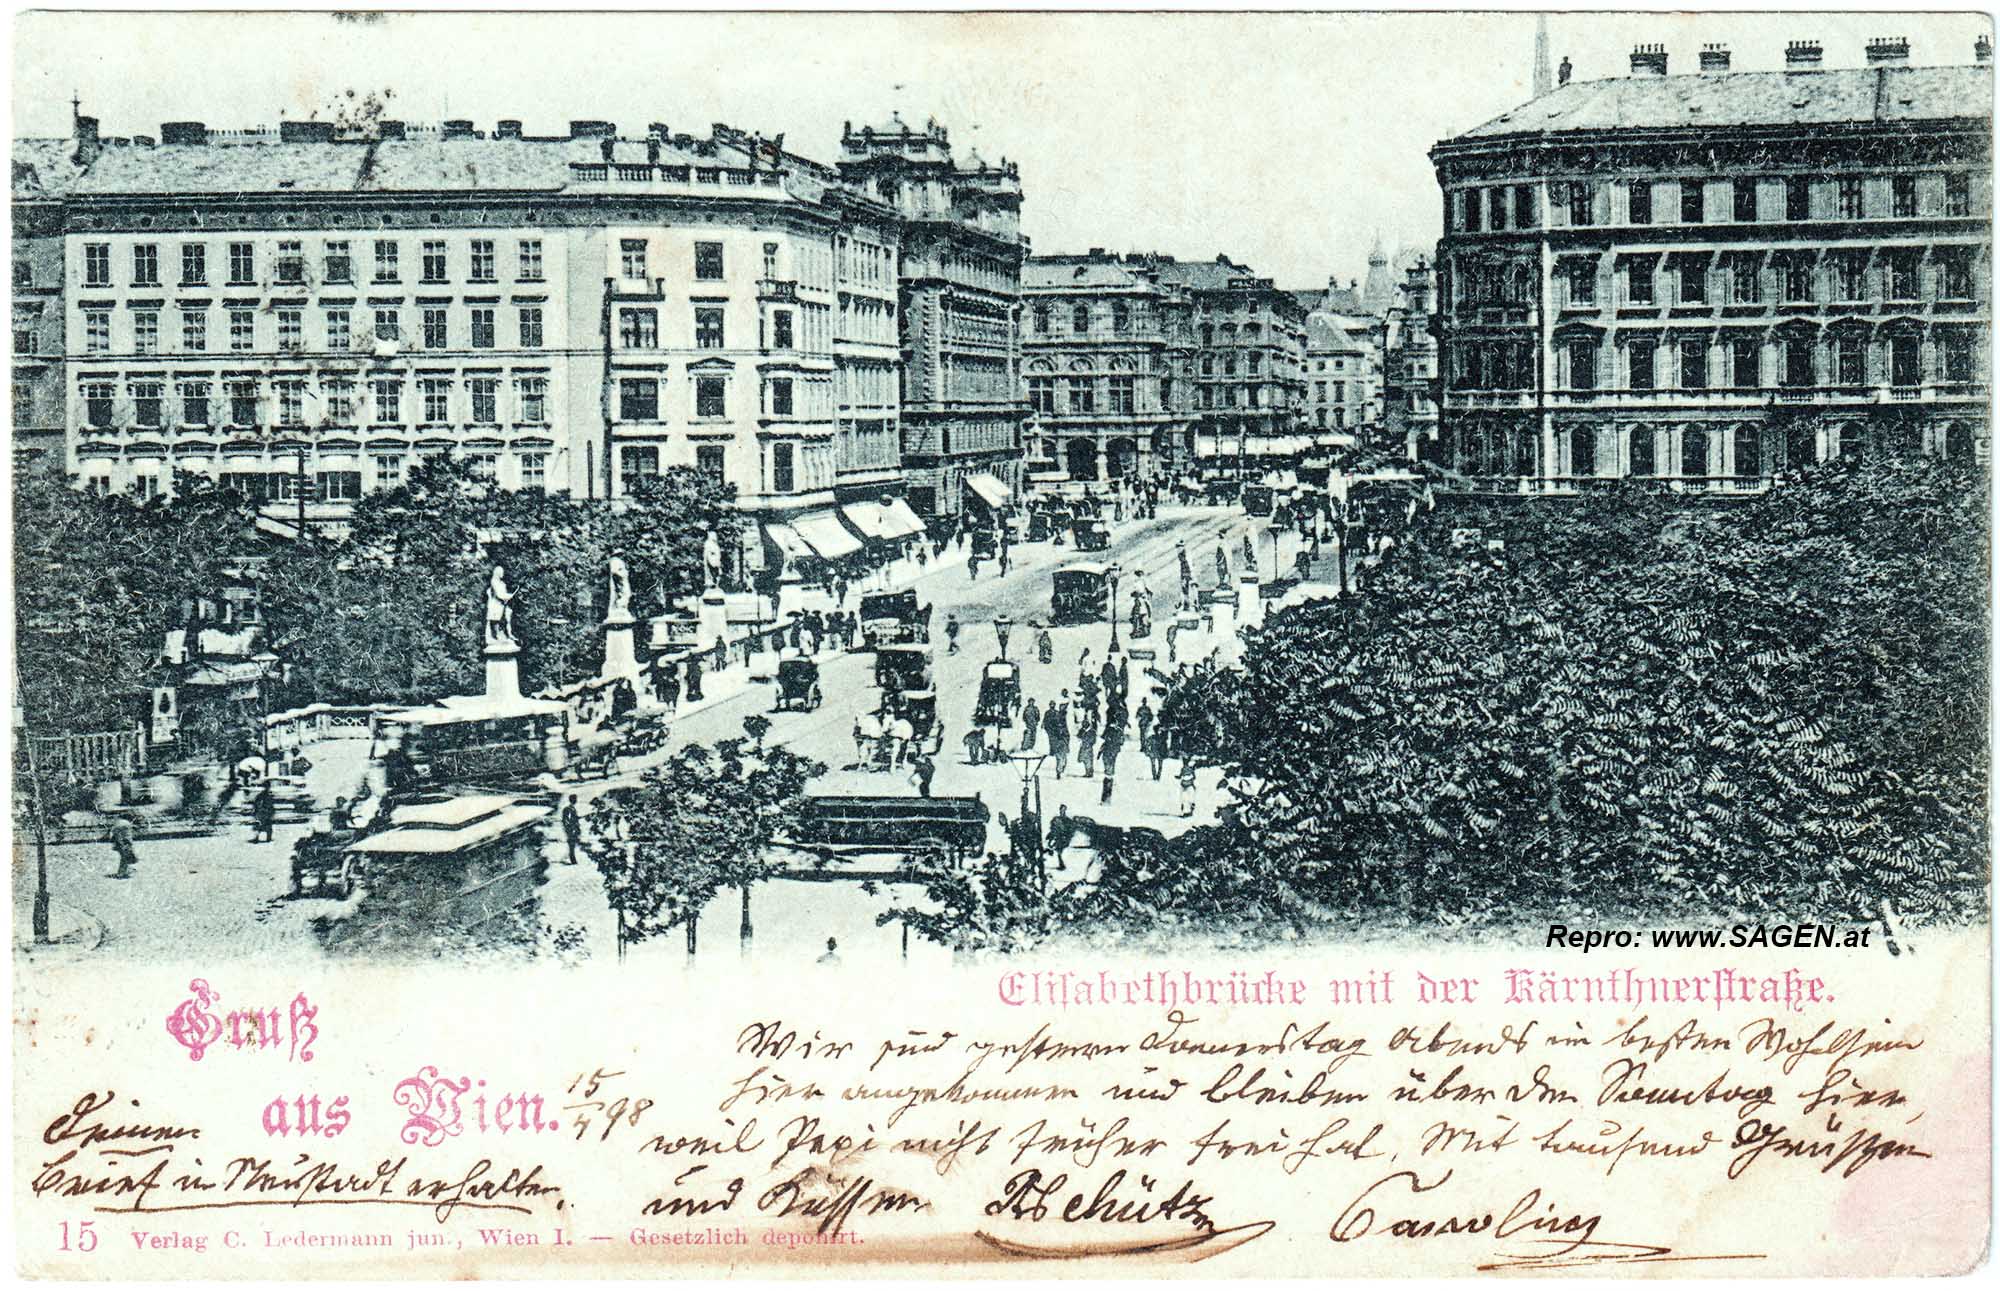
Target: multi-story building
(1410,369)
(1106,348)
(1250,347)
(1344,377)
(1709,279)
(44,170)
(958,310)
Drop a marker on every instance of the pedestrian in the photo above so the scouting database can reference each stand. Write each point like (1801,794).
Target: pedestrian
(263,813)
(951,633)
(839,591)
(1006,561)
(1088,690)
(923,770)
(1045,646)
(832,955)
(975,746)
(1031,718)
(972,565)
(1083,666)
(694,679)
(1108,678)
(340,819)
(121,847)
(1147,744)
(667,683)
(572,826)
(1055,724)
(1062,828)
(1187,788)
(1086,742)
(1124,679)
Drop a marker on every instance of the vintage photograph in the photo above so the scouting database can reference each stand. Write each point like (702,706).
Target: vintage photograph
(889,490)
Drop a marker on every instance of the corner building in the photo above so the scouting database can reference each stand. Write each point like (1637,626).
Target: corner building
(1709,279)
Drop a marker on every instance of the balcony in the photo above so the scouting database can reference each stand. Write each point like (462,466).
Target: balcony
(783,289)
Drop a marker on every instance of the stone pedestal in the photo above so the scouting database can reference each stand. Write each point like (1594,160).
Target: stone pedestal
(1222,612)
(1269,551)
(712,617)
(503,672)
(1249,602)
(620,659)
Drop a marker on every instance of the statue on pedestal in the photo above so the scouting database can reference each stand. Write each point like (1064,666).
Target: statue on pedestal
(499,611)
(618,600)
(711,561)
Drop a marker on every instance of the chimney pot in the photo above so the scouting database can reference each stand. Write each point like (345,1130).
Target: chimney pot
(305,132)
(592,130)
(507,129)
(1892,51)
(390,130)
(183,132)
(1982,49)
(1649,60)
(1802,55)
(1714,58)
(458,128)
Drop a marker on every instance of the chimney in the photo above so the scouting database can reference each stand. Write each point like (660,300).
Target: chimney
(193,132)
(305,132)
(87,142)
(592,130)
(507,130)
(1714,58)
(1982,50)
(1802,56)
(390,130)
(1097,253)
(658,130)
(1649,60)
(1562,71)
(458,128)
(1888,52)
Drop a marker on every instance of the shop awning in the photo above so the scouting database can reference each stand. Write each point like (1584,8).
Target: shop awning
(786,539)
(899,520)
(989,490)
(828,538)
(866,517)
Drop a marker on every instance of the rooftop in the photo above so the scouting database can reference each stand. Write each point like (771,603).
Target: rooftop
(1800,97)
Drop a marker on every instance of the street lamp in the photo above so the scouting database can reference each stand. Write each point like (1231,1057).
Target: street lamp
(1001,625)
(1028,825)
(1113,608)
(267,663)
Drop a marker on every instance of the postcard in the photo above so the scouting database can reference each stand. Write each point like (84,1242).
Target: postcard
(1025,645)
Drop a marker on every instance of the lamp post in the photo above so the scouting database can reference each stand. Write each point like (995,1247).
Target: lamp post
(1028,825)
(1001,626)
(1112,607)
(266,662)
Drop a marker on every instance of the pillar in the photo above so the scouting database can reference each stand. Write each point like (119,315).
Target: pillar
(503,671)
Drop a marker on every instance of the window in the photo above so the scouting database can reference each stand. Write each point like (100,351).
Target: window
(484,262)
(388,325)
(1798,352)
(24,340)
(194,331)
(485,399)
(434,261)
(1745,284)
(437,334)
(340,402)
(1639,280)
(194,264)
(1743,201)
(638,399)
(1903,269)
(1642,363)
(146,403)
(1691,201)
(1042,395)
(708,459)
(291,329)
(1957,345)
(632,259)
(709,397)
(1583,364)
(1850,275)
(1641,201)
(1903,193)
(781,329)
(145,265)
(339,263)
(534,470)
(1694,452)
(1850,198)
(1042,319)
(1798,279)
(1583,451)
(242,403)
(782,479)
(388,470)
(637,461)
(1582,282)
(1905,361)
(291,403)
(242,264)
(1121,317)
(436,392)
(770,260)
(339,335)
(1082,394)
(97,331)
(388,400)
(1955,274)
(1524,206)
(1743,359)
(1496,208)
(387,267)
(781,396)
(1642,450)
(338,486)
(482,327)
(1079,319)
(531,327)
(1798,198)
(1123,393)
(534,400)
(531,260)
(1693,280)
(708,261)
(707,327)
(291,263)
(1958,193)
(1472,209)
(98,401)
(242,330)
(1694,363)
(639,329)
(146,331)
(97,264)
(1849,360)
(194,403)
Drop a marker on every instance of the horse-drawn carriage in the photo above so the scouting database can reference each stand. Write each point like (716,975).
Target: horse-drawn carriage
(903,668)
(894,618)
(999,694)
(1081,594)
(798,686)
(1091,535)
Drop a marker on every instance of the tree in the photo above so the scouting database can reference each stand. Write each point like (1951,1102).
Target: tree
(703,820)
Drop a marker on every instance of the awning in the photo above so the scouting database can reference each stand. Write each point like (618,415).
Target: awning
(787,540)
(900,521)
(867,517)
(827,537)
(990,491)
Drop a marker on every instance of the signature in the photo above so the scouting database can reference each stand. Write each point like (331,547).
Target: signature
(1119,1198)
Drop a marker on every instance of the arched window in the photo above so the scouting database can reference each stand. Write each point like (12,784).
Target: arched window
(1583,451)
(1749,452)
(1079,319)
(1643,462)
(1694,452)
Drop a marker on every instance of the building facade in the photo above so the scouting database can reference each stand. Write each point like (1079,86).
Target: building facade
(1107,349)
(958,310)
(1250,357)
(44,170)
(1712,278)
(1410,369)
(1344,377)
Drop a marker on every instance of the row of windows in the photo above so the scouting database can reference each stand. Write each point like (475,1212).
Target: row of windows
(1081,316)
(477,329)
(1850,276)
(637,461)
(1848,359)
(1582,203)
(277,484)
(1080,394)
(1698,452)
(290,265)
(242,402)
(639,398)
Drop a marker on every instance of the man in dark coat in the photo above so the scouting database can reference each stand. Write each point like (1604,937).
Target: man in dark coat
(1055,724)
(264,813)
